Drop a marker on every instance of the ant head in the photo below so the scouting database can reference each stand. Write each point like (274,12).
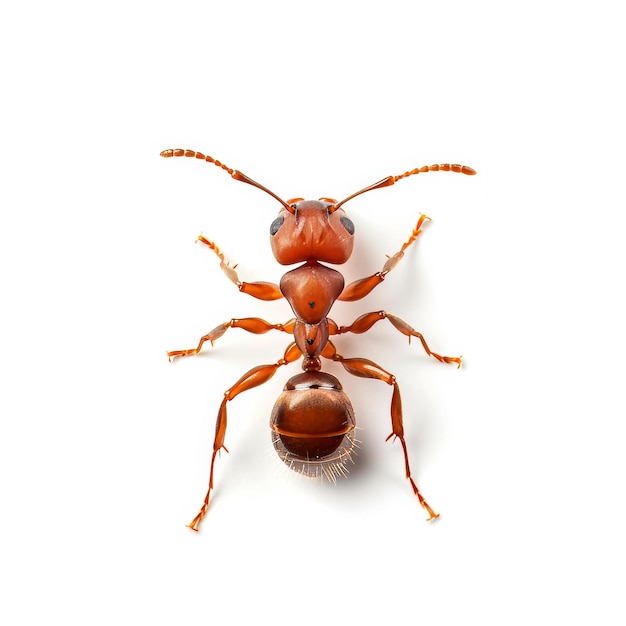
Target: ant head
(311,230)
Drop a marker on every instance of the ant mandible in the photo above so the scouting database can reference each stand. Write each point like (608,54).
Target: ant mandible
(313,421)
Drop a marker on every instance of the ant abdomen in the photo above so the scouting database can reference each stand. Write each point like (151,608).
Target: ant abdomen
(313,423)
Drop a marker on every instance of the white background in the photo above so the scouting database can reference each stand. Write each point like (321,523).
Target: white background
(105,446)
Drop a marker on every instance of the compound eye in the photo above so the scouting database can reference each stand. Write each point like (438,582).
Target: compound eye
(276,224)
(348,224)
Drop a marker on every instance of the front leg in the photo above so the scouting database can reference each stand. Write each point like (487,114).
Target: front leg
(360,288)
(259,290)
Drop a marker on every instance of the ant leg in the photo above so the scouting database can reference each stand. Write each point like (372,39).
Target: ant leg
(253,378)
(360,288)
(363,323)
(365,368)
(259,290)
(252,324)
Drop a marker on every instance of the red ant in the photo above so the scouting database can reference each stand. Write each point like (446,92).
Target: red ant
(313,420)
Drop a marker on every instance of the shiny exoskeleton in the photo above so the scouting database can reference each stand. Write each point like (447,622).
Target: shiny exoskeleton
(313,420)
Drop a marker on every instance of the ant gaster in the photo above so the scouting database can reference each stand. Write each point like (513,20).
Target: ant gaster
(313,421)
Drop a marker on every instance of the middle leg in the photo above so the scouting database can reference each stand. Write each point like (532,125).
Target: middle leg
(363,323)
(253,325)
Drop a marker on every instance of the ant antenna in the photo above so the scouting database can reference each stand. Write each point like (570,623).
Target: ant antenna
(390,180)
(236,174)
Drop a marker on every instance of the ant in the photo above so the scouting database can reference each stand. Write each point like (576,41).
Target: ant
(313,420)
